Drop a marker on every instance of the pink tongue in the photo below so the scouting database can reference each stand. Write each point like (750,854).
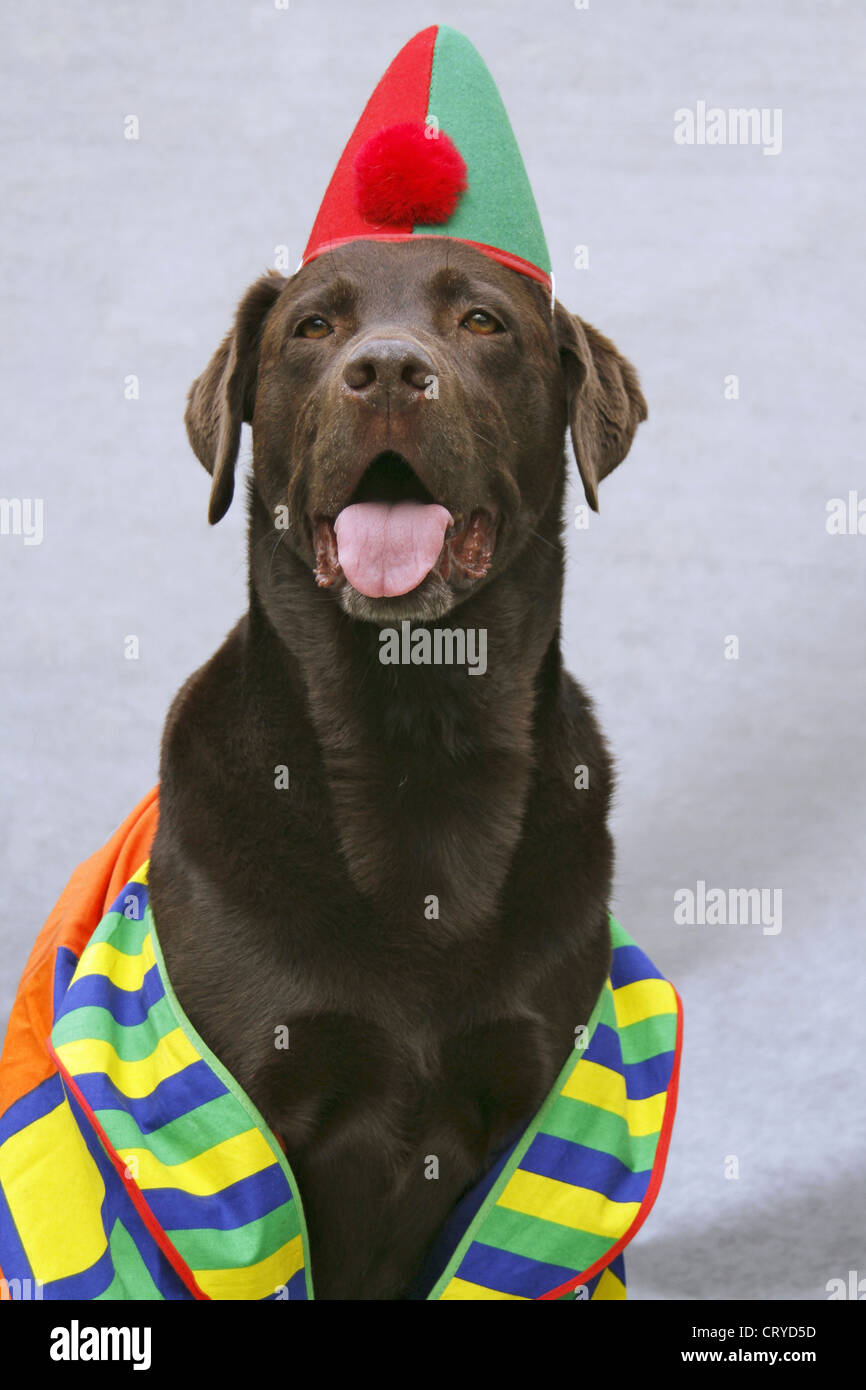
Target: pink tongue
(387,548)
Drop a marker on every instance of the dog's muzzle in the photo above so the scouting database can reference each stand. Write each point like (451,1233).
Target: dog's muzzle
(385,549)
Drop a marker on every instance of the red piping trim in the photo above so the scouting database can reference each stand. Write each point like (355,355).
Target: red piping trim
(655,1180)
(507,258)
(177,1262)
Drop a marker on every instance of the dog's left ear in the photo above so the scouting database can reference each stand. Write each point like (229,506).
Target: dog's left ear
(605,402)
(222,398)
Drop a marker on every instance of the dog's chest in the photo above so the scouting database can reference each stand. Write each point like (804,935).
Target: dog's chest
(387,1121)
(393,1142)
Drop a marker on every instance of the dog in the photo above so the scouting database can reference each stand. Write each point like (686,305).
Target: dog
(340,1011)
(408,784)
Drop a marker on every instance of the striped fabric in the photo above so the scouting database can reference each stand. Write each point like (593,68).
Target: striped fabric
(582,1179)
(141,1170)
(196,1171)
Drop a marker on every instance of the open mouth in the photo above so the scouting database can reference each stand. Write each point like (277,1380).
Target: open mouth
(393,534)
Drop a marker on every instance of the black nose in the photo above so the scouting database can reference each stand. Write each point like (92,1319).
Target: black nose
(392,368)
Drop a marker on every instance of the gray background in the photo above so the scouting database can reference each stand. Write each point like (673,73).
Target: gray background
(125,257)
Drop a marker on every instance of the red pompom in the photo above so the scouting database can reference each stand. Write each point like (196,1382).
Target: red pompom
(408,173)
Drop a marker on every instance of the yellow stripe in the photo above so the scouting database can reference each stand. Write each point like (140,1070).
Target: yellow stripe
(127,972)
(643,999)
(608,1287)
(256,1281)
(577,1207)
(134,1079)
(463,1289)
(599,1086)
(209,1172)
(55,1193)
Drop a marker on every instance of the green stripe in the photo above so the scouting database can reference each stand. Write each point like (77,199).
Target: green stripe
(608,1008)
(187,1137)
(498,208)
(618,935)
(132,1278)
(602,1130)
(641,1041)
(545,1241)
(132,1043)
(123,933)
(241,1247)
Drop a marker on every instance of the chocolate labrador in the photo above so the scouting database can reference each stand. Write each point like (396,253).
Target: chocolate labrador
(390,858)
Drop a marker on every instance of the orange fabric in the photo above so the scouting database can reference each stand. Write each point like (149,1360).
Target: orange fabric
(83,903)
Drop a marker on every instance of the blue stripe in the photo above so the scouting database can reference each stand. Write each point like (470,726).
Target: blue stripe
(176,1096)
(616,1267)
(629,966)
(642,1079)
(649,1078)
(65,962)
(582,1167)
(169,1283)
(514,1274)
(133,912)
(127,1007)
(233,1206)
(296,1289)
(297,1285)
(604,1048)
(458,1221)
(35,1105)
(87,1284)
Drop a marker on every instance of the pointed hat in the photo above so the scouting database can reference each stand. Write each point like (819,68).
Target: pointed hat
(434,155)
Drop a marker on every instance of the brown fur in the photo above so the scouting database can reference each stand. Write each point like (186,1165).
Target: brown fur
(305,907)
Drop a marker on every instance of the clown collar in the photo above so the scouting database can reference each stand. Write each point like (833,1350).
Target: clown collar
(143,1170)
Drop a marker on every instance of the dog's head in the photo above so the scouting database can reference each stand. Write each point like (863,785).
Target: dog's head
(409,403)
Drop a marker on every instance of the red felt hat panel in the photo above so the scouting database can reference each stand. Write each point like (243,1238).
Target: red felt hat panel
(400,96)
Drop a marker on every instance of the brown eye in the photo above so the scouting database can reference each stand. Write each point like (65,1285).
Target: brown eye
(479,321)
(313,327)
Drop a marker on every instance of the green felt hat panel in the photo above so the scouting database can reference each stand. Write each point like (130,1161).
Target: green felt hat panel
(498,209)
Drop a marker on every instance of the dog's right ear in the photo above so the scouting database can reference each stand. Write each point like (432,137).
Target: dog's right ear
(605,402)
(222,398)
